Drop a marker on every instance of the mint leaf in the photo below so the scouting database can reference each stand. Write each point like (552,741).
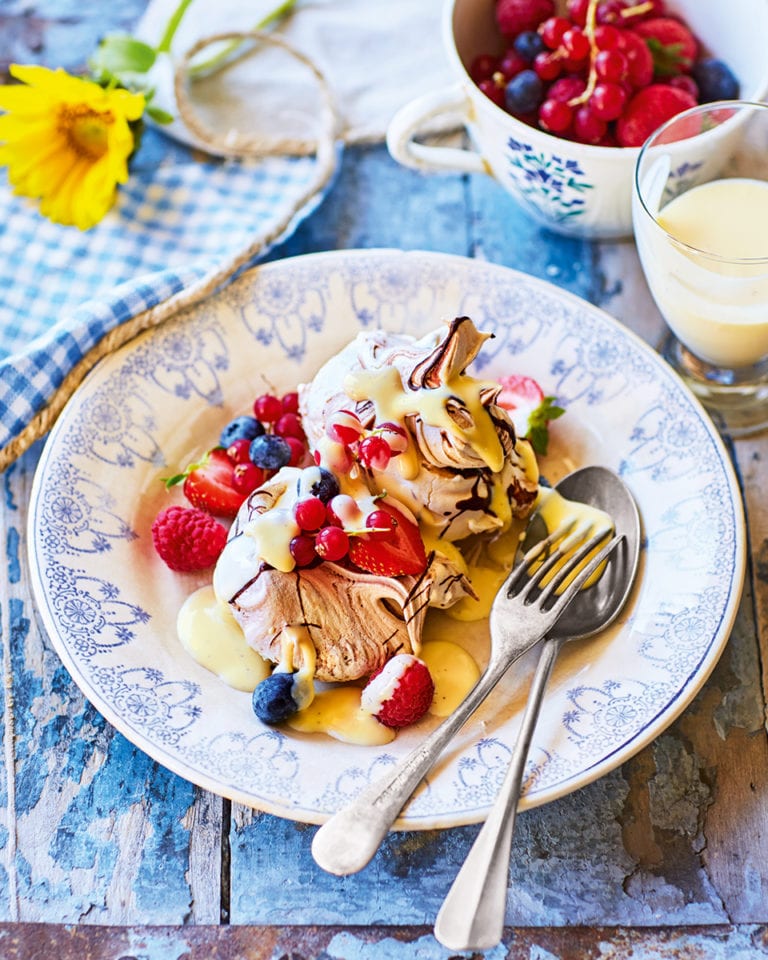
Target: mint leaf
(158,115)
(538,423)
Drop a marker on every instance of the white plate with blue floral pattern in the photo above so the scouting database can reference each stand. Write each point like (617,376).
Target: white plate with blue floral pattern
(110,605)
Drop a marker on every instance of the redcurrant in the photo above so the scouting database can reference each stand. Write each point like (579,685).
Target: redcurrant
(267,407)
(309,513)
(331,543)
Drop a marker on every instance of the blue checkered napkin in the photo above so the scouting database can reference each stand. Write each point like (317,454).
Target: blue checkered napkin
(61,289)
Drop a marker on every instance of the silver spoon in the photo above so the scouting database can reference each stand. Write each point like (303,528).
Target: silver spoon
(472,914)
(348,841)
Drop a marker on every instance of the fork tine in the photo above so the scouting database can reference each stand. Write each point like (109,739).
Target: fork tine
(581,577)
(574,555)
(538,548)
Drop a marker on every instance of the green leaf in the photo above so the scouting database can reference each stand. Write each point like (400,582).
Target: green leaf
(538,423)
(668,60)
(118,54)
(158,115)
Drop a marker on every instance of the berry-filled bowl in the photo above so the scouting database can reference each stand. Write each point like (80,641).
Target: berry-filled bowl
(558,96)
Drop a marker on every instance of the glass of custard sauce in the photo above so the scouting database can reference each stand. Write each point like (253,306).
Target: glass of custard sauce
(700,216)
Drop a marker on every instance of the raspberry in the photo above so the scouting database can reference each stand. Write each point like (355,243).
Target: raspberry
(515,16)
(400,693)
(187,538)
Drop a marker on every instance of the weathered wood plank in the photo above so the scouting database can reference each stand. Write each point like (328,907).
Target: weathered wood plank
(94,828)
(377,943)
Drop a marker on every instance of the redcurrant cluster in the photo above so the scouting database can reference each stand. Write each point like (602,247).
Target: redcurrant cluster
(323,535)
(606,74)
(272,438)
(372,449)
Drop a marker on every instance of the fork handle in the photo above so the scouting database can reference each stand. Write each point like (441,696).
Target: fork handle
(472,914)
(348,841)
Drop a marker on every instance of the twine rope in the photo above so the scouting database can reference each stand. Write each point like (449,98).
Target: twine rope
(233,145)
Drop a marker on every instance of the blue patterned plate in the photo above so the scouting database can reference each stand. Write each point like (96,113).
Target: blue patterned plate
(110,605)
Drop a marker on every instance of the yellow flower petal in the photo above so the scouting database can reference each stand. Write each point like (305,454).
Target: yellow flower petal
(66,141)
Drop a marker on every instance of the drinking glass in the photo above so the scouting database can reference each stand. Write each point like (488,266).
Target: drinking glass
(700,217)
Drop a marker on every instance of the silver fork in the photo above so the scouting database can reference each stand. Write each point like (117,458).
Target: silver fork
(521,614)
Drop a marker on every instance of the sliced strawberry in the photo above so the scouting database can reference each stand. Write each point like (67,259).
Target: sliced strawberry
(208,485)
(530,410)
(400,554)
(673,47)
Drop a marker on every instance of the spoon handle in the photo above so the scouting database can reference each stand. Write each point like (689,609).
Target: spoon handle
(472,914)
(346,842)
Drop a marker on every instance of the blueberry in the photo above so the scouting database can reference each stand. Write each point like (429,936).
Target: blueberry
(528,45)
(326,487)
(273,698)
(269,452)
(241,428)
(524,92)
(715,81)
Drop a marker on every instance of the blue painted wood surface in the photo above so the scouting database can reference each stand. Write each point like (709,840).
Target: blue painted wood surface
(93,832)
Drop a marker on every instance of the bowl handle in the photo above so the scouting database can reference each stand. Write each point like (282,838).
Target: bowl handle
(411,119)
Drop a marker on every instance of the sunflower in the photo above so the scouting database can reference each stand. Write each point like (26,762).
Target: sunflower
(66,141)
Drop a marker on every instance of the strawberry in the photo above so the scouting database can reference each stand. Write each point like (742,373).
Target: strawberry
(673,46)
(647,110)
(399,554)
(530,409)
(187,538)
(210,484)
(400,693)
(516,16)
(638,56)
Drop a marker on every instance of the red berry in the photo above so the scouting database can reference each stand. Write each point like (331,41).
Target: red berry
(246,477)
(395,435)
(267,408)
(611,65)
(331,543)
(567,88)
(237,451)
(553,30)
(647,110)
(576,44)
(374,452)
(187,538)
(209,485)
(516,16)
(380,525)
(344,426)
(607,37)
(555,116)
(310,513)
(289,425)
(493,91)
(638,56)
(547,65)
(675,48)
(290,402)
(684,81)
(298,451)
(608,101)
(577,11)
(483,67)
(400,554)
(512,64)
(400,693)
(302,550)
(588,128)
(610,11)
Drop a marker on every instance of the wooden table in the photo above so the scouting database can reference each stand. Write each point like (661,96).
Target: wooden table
(105,854)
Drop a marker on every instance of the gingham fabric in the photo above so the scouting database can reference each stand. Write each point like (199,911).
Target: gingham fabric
(175,220)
